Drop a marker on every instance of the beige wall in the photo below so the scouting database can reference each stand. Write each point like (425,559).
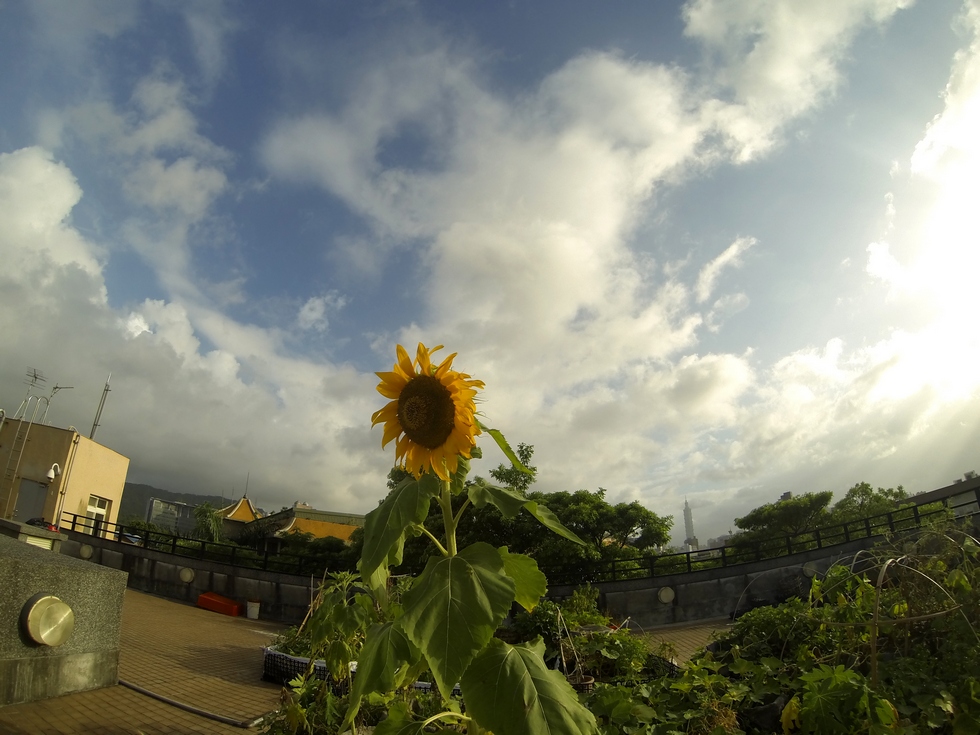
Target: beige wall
(87,468)
(94,470)
(45,445)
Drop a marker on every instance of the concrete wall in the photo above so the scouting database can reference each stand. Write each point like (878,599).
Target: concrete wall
(283,597)
(45,445)
(714,593)
(94,470)
(89,658)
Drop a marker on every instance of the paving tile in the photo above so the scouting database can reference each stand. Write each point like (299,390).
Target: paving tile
(192,656)
(687,638)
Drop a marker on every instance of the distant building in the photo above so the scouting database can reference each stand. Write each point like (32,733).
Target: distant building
(714,543)
(58,474)
(172,515)
(690,539)
(319,523)
(237,516)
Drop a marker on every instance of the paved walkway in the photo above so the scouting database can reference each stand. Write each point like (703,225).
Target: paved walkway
(687,638)
(180,652)
(206,661)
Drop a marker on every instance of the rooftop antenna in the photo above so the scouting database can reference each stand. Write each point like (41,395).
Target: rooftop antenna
(98,414)
(47,401)
(35,379)
(245,494)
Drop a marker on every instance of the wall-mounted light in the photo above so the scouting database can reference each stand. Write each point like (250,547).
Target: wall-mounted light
(54,472)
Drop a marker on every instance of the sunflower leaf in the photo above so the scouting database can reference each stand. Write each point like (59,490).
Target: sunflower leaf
(509,690)
(385,655)
(385,527)
(510,502)
(549,519)
(454,607)
(505,447)
(458,480)
(530,581)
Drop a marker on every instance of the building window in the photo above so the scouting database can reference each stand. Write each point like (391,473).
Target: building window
(98,515)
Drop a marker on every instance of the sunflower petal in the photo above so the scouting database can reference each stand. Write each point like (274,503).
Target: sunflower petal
(445,366)
(404,361)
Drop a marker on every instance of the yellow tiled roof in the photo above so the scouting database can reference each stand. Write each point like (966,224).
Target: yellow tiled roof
(319,529)
(242,511)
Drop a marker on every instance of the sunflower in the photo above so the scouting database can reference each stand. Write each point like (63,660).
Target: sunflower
(431,414)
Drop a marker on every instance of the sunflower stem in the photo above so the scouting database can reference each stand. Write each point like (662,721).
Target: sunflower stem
(459,514)
(446,501)
(442,549)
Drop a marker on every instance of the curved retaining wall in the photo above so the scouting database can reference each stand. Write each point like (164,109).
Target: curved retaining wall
(714,593)
(282,597)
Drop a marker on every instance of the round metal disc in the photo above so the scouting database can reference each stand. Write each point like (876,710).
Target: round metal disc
(50,621)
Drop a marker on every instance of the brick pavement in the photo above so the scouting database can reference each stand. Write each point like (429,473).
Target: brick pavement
(198,658)
(687,638)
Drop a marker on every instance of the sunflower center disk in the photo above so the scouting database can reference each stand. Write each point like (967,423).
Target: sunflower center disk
(426,411)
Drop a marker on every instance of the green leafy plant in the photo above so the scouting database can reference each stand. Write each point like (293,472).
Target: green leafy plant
(449,615)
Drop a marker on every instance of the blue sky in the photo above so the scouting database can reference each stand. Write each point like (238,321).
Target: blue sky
(706,250)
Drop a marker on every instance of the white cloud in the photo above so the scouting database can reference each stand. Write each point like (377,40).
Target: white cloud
(210,24)
(184,186)
(37,195)
(777,59)
(732,257)
(313,314)
(291,422)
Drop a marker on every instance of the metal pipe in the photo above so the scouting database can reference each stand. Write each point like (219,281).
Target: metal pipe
(63,487)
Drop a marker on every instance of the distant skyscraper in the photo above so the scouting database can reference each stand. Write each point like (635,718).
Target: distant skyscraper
(691,539)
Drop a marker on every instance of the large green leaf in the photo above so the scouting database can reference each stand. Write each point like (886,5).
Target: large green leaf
(337,658)
(454,607)
(530,581)
(458,480)
(549,519)
(386,655)
(385,526)
(387,652)
(505,447)
(509,690)
(510,502)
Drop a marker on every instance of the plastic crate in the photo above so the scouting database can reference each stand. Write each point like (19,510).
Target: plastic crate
(282,668)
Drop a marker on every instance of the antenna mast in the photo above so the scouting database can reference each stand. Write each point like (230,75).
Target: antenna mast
(98,414)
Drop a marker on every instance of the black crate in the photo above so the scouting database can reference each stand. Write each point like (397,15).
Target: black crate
(282,668)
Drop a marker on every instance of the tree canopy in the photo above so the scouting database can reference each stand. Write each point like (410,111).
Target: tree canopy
(810,511)
(610,531)
(790,516)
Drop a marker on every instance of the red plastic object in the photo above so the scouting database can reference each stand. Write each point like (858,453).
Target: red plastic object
(219,604)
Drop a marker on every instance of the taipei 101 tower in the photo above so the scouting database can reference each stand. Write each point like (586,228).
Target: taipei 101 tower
(690,540)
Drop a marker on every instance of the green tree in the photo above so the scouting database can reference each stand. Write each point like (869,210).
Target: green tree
(207,525)
(788,517)
(510,476)
(863,501)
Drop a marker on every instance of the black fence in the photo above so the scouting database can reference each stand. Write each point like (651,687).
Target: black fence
(905,518)
(225,553)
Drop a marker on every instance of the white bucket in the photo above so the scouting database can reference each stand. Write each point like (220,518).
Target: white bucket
(252,609)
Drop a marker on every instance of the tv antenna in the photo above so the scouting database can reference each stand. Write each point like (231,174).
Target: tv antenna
(98,414)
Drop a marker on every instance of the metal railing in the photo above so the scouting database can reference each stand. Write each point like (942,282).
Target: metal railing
(905,518)
(217,551)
